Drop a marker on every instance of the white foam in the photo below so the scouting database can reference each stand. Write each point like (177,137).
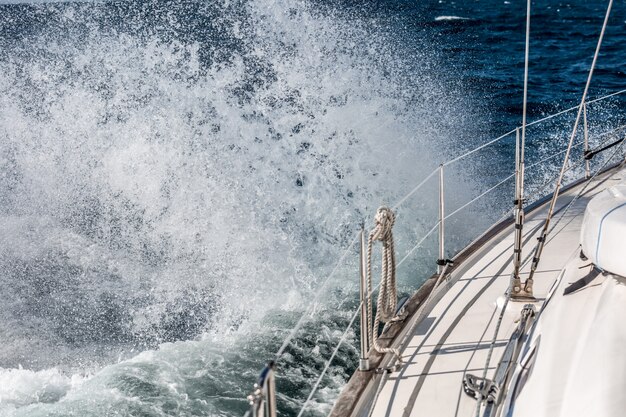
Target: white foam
(444,18)
(46,1)
(170,165)
(20,387)
(137,176)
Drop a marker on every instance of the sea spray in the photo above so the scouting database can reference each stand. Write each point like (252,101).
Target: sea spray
(174,175)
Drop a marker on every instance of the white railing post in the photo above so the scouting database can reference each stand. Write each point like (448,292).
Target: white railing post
(263,398)
(516,287)
(270,393)
(364,361)
(586,133)
(442,256)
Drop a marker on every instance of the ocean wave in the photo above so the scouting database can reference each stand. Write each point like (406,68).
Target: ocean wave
(20,387)
(448,18)
(163,183)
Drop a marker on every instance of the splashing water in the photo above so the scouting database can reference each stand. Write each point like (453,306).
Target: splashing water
(175,178)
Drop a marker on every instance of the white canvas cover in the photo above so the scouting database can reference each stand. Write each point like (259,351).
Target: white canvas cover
(578,368)
(603,234)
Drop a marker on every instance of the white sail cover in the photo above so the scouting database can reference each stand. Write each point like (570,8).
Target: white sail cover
(574,363)
(578,367)
(603,234)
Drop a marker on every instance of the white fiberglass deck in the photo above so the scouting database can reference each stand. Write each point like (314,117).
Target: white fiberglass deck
(454,337)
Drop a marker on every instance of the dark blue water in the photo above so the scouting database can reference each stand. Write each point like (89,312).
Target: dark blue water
(482,47)
(178,178)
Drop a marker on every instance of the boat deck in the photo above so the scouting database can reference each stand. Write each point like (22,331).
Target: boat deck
(452,336)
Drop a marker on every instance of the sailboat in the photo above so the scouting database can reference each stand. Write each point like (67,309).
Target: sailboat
(526,321)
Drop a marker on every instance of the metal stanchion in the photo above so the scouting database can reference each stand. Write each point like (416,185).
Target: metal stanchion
(263,398)
(519,213)
(441,262)
(586,134)
(364,361)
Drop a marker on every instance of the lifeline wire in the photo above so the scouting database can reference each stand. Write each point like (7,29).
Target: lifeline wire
(543,119)
(317,296)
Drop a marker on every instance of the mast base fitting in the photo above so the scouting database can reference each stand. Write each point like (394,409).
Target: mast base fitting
(523,297)
(523,294)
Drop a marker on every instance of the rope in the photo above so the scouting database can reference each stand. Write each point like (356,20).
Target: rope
(415,189)
(370,291)
(357,310)
(387,294)
(385,259)
(544,233)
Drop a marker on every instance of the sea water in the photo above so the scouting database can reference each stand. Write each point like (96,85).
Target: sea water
(178,180)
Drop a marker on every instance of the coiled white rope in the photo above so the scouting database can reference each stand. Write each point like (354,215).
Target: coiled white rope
(388,293)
